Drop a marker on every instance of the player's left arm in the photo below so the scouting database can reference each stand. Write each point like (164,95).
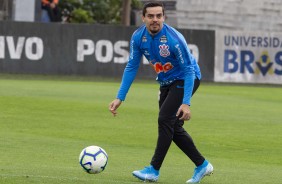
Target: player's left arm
(185,59)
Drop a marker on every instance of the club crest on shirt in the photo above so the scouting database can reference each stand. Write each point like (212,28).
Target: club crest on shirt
(164,52)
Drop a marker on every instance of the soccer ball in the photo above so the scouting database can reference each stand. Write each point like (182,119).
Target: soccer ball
(93,159)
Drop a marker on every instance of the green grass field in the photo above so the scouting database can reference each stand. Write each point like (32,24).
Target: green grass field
(45,122)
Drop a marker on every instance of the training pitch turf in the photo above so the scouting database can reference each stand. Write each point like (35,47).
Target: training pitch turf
(46,121)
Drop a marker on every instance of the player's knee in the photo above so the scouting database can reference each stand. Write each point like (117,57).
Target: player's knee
(166,121)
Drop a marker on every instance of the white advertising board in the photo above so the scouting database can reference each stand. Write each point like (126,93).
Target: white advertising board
(248,57)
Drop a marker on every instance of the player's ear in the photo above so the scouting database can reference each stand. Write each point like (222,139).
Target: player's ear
(143,18)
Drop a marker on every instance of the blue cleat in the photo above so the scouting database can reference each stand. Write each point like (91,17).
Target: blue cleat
(206,169)
(147,174)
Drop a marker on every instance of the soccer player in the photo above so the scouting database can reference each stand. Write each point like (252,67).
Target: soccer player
(179,77)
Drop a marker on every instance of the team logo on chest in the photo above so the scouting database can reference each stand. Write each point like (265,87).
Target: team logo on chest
(164,52)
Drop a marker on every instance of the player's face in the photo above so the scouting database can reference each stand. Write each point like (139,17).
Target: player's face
(154,19)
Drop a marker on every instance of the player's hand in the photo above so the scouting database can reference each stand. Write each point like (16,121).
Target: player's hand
(184,111)
(114,105)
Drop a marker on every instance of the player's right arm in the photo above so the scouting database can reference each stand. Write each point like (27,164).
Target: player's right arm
(129,74)
(130,69)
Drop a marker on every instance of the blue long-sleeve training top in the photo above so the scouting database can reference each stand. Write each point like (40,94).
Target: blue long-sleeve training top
(168,53)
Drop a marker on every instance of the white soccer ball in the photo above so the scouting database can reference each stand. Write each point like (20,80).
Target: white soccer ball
(93,159)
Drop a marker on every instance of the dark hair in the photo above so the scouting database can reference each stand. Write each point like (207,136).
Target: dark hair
(152,4)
